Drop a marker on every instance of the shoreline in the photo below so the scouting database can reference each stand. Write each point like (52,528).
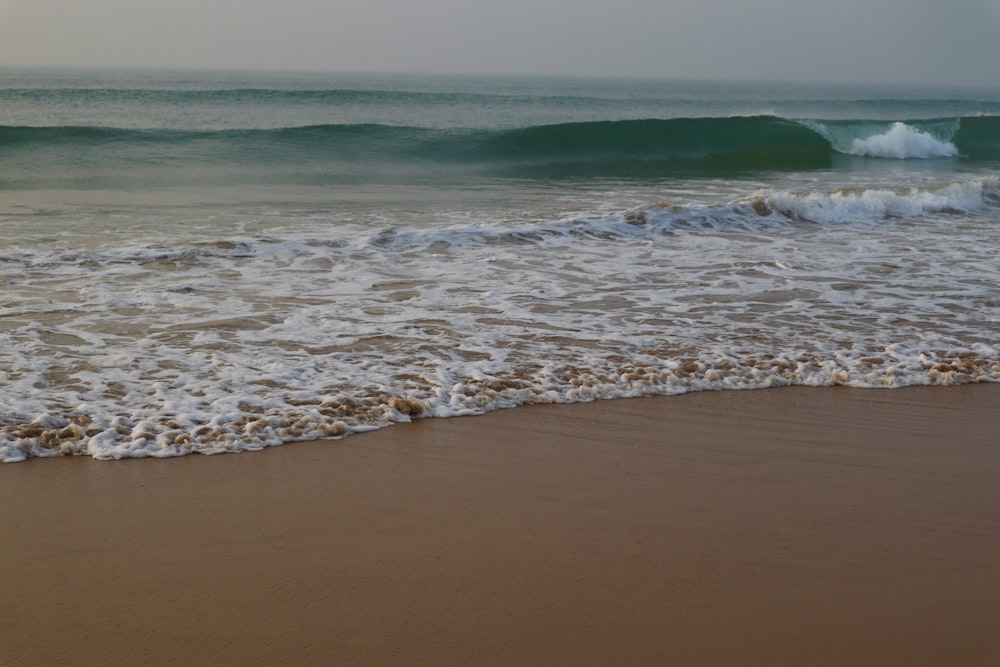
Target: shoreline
(809,526)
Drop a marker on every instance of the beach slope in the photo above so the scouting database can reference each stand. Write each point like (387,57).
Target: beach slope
(786,526)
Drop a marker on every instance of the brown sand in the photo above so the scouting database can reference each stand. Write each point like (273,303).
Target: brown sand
(780,527)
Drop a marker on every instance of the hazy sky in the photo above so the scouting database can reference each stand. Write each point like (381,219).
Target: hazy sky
(908,41)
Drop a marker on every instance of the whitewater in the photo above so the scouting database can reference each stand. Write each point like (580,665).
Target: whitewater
(206,263)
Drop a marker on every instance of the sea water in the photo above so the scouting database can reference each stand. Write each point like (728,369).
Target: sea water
(224,261)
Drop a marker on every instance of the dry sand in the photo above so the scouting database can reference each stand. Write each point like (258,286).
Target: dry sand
(779,527)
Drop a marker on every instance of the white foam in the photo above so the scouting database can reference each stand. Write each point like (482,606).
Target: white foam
(872,205)
(163,346)
(903,142)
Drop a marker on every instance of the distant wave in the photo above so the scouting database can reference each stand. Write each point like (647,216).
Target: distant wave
(276,95)
(689,146)
(410,95)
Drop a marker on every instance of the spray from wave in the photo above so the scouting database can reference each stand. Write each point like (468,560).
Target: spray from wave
(899,141)
(903,142)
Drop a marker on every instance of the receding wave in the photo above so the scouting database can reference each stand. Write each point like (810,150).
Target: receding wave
(689,146)
(765,212)
(164,347)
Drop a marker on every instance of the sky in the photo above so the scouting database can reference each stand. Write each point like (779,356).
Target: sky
(863,41)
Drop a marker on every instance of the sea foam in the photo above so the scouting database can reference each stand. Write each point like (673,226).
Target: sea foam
(146,347)
(915,140)
(876,204)
(903,142)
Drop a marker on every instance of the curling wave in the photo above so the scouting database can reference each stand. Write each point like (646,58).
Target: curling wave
(61,156)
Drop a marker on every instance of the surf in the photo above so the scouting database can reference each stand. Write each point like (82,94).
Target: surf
(81,156)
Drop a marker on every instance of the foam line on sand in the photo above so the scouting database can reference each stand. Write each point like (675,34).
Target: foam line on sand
(776,527)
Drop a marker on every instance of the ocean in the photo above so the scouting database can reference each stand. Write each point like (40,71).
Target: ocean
(206,262)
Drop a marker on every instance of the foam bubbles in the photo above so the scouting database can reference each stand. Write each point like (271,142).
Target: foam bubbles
(167,346)
(903,142)
(872,205)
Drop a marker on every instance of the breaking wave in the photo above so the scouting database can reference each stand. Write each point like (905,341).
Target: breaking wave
(62,156)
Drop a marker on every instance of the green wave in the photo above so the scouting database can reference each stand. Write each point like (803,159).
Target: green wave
(604,148)
(978,137)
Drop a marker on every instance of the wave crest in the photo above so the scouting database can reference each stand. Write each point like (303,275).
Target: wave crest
(336,153)
(903,142)
(844,206)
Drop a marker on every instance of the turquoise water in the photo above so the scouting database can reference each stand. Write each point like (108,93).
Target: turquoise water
(213,261)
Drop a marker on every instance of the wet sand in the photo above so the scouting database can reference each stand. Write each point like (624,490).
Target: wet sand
(779,527)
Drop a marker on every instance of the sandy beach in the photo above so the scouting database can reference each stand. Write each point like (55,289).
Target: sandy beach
(790,526)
